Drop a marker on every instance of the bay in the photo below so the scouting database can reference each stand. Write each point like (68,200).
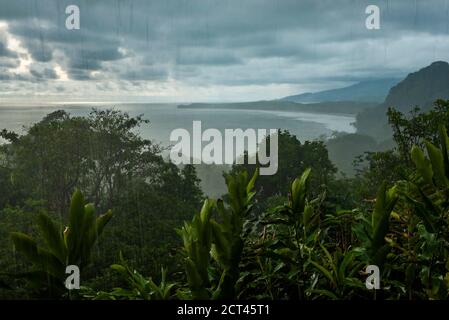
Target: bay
(164,118)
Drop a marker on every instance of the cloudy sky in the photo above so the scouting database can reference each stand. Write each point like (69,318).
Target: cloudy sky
(209,50)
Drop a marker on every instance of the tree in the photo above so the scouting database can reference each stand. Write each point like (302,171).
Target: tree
(104,156)
(396,164)
(50,159)
(294,157)
(417,127)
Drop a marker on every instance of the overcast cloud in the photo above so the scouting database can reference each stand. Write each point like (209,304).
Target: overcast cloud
(210,50)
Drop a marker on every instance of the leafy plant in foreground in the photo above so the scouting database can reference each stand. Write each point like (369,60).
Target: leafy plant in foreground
(428,196)
(290,235)
(70,246)
(212,247)
(373,233)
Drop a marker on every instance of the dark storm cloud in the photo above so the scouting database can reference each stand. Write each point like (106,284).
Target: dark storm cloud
(231,43)
(146,73)
(40,51)
(8,63)
(79,74)
(5,52)
(43,74)
(82,62)
(204,56)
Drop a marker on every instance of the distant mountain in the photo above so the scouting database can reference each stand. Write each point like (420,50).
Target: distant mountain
(365,91)
(420,88)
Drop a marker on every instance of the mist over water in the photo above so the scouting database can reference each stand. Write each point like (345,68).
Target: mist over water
(164,118)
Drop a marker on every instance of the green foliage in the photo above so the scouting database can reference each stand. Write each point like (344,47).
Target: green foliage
(289,235)
(197,239)
(141,288)
(207,240)
(418,127)
(374,167)
(294,157)
(303,235)
(372,233)
(428,196)
(340,272)
(104,156)
(344,148)
(71,246)
(396,164)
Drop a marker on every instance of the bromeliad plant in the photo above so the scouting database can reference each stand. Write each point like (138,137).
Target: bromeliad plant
(213,247)
(70,246)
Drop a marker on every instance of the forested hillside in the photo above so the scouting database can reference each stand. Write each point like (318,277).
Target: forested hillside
(418,89)
(90,191)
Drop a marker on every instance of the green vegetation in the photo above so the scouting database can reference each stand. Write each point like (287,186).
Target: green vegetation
(70,246)
(304,233)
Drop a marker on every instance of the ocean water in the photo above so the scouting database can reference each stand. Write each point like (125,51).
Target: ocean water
(164,118)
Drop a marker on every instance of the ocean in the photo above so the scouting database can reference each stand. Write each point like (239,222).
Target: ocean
(164,118)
